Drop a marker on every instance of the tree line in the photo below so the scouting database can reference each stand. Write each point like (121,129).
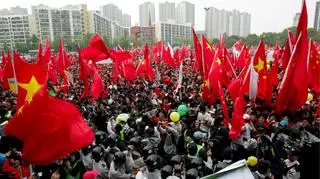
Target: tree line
(270,38)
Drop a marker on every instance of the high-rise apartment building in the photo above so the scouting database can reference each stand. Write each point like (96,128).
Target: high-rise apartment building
(167,11)
(112,12)
(14,11)
(126,20)
(316,24)
(146,14)
(185,13)
(100,25)
(14,29)
(296,19)
(170,32)
(107,28)
(69,22)
(219,22)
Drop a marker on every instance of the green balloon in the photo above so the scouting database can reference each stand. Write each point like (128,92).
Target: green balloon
(182,109)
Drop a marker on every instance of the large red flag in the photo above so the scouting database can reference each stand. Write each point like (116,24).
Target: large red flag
(293,89)
(145,67)
(129,70)
(53,124)
(314,67)
(208,56)
(96,50)
(29,81)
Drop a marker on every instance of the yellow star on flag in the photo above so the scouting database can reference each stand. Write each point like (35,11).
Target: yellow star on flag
(32,87)
(209,47)
(206,83)
(218,61)
(317,62)
(260,65)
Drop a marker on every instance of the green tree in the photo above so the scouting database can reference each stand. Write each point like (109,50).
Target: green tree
(252,40)
(124,42)
(22,47)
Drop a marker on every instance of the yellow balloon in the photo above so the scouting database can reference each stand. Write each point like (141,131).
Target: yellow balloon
(252,161)
(310,97)
(175,117)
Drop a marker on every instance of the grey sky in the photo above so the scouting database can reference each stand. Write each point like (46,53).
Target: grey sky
(266,15)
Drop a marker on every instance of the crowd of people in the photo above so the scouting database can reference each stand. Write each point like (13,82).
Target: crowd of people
(135,137)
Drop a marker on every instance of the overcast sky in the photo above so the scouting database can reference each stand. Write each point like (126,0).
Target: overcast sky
(266,15)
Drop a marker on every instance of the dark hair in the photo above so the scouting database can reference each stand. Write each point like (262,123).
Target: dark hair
(263,166)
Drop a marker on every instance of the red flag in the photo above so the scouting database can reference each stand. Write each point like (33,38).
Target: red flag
(97,86)
(145,68)
(157,51)
(314,67)
(29,81)
(293,89)
(52,75)
(197,48)
(237,121)
(96,50)
(223,106)
(53,124)
(167,57)
(62,61)
(40,55)
(176,57)
(45,58)
(129,70)
(243,57)
(260,66)
(9,79)
(208,57)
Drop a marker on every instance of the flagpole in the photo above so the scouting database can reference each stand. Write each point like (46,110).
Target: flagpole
(14,71)
(309,51)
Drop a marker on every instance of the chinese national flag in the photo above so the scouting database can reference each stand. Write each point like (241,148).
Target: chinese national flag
(293,89)
(50,129)
(260,66)
(314,68)
(208,56)
(96,50)
(207,95)
(52,73)
(29,81)
(167,57)
(197,48)
(145,68)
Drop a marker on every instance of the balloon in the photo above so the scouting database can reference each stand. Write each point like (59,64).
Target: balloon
(182,110)
(175,117)
(310,97)
(252,161)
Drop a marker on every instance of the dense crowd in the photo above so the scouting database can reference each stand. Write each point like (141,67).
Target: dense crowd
(135,137)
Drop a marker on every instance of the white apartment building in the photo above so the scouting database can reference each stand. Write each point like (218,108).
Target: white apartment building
(219,22)
(170,32)
(106,27)
(185,13)
(146,14)
(69,22)
(126,20)
(167,11)
(112,12)
(14,29)
(100,25)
